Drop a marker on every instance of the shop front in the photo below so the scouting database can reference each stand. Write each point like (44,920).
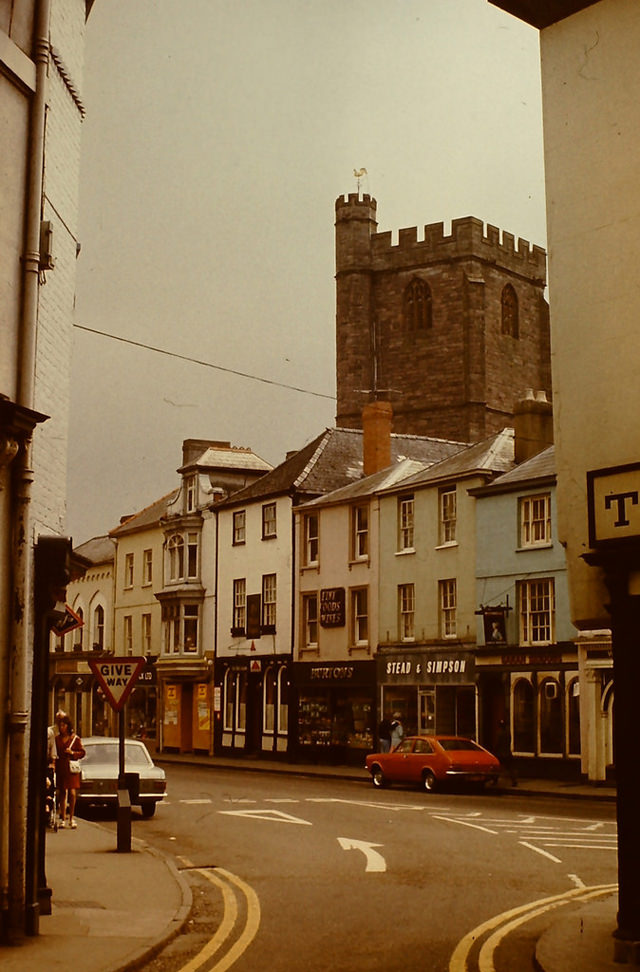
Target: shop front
(335,705)
(252,705)
(185,697)
(429,690)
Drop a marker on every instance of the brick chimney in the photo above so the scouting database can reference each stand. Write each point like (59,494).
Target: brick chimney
(376,436)
(533,425)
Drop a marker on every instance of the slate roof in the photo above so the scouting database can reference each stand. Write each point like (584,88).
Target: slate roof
(492,456)
(332,460)
(385,478)
(147,517)
(541,466)
(230,458)
(98,550)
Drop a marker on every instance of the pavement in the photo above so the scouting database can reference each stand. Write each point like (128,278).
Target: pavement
(113,911)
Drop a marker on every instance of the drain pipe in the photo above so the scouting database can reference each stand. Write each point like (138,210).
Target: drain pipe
(20,649)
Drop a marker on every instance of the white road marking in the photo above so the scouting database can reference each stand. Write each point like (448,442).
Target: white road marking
(539,850)
(465,823)
(375,861)
(369,803)
(275,816)
(195,803)
(579,883)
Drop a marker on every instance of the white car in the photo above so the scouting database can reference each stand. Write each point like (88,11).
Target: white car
(99,774)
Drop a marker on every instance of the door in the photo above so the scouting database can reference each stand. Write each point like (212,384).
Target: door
(426,710)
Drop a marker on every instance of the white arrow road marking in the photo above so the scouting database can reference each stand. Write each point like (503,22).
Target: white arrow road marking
(276,816)
(539,850)
(375,861)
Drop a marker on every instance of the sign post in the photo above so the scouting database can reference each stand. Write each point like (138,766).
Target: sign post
(116,677)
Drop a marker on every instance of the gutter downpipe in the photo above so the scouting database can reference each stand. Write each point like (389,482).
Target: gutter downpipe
(21,645)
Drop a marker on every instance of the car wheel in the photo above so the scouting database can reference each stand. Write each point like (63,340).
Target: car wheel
(428,781)
(378,778)
(148,808)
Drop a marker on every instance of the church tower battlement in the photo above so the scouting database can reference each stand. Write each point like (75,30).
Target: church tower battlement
(451,329)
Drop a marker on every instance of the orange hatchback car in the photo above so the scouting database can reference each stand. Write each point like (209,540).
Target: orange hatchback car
(433,760)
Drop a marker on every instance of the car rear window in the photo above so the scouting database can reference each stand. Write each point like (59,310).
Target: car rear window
(450,744)
(108,753)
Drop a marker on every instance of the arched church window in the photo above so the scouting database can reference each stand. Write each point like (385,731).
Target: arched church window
(417,305)
(510,324)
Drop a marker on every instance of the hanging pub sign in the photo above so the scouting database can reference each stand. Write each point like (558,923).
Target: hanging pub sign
(332,607)
(494,625)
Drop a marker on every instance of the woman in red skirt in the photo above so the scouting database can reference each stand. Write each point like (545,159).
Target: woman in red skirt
(68,746)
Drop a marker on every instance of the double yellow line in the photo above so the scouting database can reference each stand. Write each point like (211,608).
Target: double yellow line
(508,921)
(227,882)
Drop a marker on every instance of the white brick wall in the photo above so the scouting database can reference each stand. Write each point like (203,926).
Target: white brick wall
(57,294)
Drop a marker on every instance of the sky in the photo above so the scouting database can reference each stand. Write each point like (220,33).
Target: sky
(218,135)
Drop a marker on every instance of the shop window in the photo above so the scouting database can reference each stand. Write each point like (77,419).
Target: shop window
(190,619)
(573,717)
(537,611)
(535,520)
(405,523)
(269,591)
(98,628)
(360,617)
(239,527)
(310,621)
(448,515)
(268,521)
(314,719)
(524,717)
(147,567)
(550,703)
(510,321)
(239,607)
(311,544)
(269,701)
(359,532)
(406,610)
(417,305)
(241,701)
(128,570)
(283,700)
(448,608)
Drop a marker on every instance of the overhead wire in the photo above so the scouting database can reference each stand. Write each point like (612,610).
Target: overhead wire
(204,364)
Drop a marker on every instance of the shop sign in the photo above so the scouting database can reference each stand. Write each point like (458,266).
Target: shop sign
(332,613)
(427,668)
(494,625)
(613,503)
(327,673)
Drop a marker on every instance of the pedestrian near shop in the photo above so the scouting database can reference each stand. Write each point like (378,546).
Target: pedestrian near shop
(69,749)
(397,730)
(384,734)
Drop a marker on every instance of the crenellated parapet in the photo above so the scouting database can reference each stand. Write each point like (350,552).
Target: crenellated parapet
(355,206)
(469,237)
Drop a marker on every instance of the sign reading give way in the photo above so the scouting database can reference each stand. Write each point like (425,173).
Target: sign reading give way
(116,677)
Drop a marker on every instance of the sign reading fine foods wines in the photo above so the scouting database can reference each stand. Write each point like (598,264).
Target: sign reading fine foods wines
(332,607)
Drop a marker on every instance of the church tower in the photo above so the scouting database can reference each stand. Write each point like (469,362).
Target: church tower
(450,329)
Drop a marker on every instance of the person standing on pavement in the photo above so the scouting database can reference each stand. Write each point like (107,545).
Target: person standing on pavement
(68,747)
(397,730)
(502,750)
(384,735)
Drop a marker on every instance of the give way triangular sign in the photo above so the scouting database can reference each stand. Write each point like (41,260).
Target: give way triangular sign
(116,677)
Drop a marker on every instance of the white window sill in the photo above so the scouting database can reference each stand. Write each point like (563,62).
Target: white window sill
(405,551)
(445,546)
(535,546)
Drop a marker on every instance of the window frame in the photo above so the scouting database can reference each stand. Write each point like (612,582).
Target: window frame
(448,518)
(510,312)
(269,603)
(127,634)
(406,522)
(147,567)
(239,532)
(191,493)
(528,521)
(448,607)
(239,605)
(359,616)
(418,305)
(406,612)
(145,629)
(175,558)
(531,613)
(269,523)
(310,621)
(129,568)
(311,527)
(360,531)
